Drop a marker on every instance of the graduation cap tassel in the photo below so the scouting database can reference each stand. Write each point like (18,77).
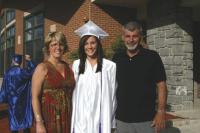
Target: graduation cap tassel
(90,9)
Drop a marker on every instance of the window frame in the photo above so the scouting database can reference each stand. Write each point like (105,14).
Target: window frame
(2,21)
(11,17)
(33,40)
(9,48)
(2,53)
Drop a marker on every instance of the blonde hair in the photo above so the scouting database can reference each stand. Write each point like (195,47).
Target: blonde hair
(55,36)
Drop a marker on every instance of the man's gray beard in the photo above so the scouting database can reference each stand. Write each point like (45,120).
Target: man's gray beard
(132,47)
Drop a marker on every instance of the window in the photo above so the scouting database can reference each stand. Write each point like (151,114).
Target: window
(10,15)
(34,36)
(2,22)
(7,39)
(10,45)
(2,43)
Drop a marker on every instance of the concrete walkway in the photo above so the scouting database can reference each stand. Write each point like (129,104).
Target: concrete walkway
(190,123)
(4,125)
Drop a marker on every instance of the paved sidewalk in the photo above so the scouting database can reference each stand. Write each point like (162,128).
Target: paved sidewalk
(175,124)
(4,126)
(190,123)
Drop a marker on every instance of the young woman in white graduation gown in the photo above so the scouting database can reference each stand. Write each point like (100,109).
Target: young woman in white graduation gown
(94,98)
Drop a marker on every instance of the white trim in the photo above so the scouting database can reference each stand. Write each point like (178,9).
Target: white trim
(11,23)
(26,14)
(2,31)
(8,26)
(33,10)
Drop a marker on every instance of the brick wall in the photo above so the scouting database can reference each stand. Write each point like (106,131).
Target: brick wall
(67,16)
(95,13)
(19,32)
(75,14)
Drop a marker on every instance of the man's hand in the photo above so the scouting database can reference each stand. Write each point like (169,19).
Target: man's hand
(159,121)
(27,57)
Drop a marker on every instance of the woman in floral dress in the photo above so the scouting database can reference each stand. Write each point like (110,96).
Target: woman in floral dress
(52,86)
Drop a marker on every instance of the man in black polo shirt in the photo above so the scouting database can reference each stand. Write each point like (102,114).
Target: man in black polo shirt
(140,72)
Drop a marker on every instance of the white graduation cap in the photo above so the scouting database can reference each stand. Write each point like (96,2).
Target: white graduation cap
(90,28)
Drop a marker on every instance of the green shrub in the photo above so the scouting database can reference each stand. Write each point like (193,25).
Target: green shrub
(73,55)
(118,45)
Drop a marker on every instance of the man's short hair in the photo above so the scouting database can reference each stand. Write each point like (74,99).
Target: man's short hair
(133,26)
(17,58)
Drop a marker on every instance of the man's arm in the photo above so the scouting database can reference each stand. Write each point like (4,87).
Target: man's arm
(27,73)
(30,65)
(159,119)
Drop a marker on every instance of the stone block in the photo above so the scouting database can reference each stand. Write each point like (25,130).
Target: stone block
(152,32)
(168,72)
(167,67)
(188,83)
(174,33)
(187,38)
(187,105)
(178,70)
(178,50)
(175,80)
(189,64)
(188,74)
(187,98)
(171,90)
(170,26)
(168,60)
(177,107)
(162,34)
(164,51)
(188,48)
(150,39)
(174,99)
(152,47)
(178,60)
(159,43)
(171,41)
(188,56)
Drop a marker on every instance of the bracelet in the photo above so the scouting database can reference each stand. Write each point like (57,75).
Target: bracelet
(160,111)
(39,121)
(38,118)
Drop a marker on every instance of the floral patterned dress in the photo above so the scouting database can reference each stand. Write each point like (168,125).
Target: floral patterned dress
(56,99)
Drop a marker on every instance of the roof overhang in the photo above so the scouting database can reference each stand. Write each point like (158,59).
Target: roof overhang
(1,4)
(19,4)
(121,3)
(195,5)
(190,3)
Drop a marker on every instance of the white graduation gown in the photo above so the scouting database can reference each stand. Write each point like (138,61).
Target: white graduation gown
(87,112)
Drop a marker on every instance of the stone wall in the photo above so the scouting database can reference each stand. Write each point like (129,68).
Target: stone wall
(169,32)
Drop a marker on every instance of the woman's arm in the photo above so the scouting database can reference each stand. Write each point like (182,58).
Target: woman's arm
(37,81)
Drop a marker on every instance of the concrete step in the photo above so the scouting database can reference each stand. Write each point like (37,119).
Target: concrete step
(189,124)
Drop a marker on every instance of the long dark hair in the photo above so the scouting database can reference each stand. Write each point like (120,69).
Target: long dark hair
(83,56)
